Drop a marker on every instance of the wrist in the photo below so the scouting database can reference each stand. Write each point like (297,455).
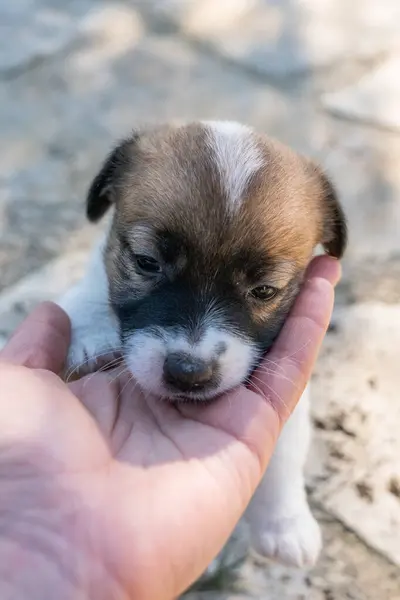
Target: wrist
(31,566)
(38,557)
(43,560)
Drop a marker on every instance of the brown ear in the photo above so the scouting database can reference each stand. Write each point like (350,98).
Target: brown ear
(101,193)
(334,230)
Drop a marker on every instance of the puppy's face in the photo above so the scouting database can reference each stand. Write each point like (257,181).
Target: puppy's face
(212,231)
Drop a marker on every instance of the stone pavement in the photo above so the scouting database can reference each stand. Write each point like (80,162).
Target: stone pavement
(321,76)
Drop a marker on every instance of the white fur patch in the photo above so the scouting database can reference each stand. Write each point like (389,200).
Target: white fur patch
(237,156)
(281,525)
(94,330)
(146,354)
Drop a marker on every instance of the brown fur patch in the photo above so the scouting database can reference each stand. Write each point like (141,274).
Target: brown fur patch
(174,184)
(170,183)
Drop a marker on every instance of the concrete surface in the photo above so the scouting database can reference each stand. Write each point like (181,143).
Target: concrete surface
(357,416)
(374,99)
(283,38)
(88,71)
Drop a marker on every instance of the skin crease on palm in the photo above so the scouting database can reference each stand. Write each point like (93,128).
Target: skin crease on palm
(108,494)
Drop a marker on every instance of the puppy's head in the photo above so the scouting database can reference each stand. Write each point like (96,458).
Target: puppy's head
(213,228)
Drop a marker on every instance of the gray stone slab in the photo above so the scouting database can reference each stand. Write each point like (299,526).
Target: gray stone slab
(30,30)
(364,164)
(283,37)
(374,99)
(357,414)
(48,283)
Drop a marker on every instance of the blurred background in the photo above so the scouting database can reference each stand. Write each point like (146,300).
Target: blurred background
(321,75)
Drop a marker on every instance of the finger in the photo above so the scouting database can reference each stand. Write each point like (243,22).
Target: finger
(283,374)
(325,267)
(41,341)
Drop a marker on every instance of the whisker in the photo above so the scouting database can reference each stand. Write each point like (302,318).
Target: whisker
(258,390)
(73,370)
(281,400)
(273,392)
(119,374)
(111,364)
(296,351)
(131,378)
(274,374)
(270,361)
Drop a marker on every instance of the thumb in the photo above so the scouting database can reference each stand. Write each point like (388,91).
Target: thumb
(41,341)
(286,369)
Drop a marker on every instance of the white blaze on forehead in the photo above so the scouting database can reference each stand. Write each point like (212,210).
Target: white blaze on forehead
(237,156)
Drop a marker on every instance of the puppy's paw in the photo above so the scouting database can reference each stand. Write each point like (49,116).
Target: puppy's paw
(295,541)
(94,332)
(90,351)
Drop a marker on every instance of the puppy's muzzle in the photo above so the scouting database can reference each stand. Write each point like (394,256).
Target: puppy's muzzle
(188,373)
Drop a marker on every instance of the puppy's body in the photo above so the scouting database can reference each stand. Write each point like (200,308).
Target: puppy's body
(212,229)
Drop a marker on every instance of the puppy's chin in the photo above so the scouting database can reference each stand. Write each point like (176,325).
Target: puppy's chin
(146,352)
(192,397)
(168,395)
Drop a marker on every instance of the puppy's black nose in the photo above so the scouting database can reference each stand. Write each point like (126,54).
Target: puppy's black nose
(187,373)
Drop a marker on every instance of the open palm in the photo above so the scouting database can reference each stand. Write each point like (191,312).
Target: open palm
(120,495)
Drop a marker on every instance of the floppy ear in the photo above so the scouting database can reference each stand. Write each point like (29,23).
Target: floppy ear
(102,191)
(334,226)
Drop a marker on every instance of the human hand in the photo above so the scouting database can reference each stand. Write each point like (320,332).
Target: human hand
(108,493)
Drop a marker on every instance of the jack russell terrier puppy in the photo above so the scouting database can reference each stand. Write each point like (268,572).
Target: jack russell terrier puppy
(213,226)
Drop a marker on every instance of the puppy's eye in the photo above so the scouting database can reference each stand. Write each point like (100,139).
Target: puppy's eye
(148,265)
(263,292)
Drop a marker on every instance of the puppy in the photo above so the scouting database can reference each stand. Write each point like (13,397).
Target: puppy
(213,226)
